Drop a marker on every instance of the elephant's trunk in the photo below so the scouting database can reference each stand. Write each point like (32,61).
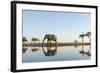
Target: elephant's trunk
(43,40)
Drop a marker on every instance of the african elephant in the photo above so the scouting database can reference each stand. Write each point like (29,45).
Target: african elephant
(50,37)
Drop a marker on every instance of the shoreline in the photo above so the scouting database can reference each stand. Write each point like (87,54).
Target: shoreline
(53,44)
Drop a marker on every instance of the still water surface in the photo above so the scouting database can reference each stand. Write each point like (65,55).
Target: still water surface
(63,53)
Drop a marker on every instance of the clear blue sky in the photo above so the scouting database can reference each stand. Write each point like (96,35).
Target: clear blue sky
(65,25)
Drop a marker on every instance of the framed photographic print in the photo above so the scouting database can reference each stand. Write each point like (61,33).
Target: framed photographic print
(47,36)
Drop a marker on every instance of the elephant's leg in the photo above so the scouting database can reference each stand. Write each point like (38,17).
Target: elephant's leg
(47,48)
(56,43)
(50,43)
(47,43)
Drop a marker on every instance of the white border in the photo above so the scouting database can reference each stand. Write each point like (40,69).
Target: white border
(37,65)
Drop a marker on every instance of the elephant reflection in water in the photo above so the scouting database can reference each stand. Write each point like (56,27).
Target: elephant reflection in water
(88,53)
(50,38)
(50,51)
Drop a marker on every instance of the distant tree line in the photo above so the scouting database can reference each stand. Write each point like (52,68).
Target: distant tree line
(24,39)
